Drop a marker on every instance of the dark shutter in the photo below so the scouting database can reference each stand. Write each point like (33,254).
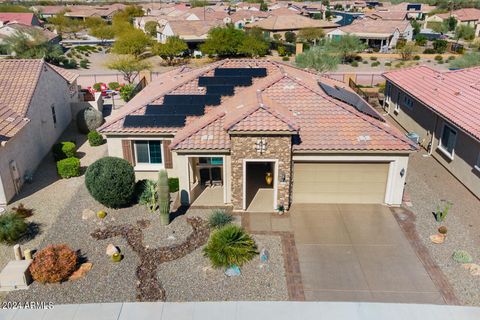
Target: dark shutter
(167,154)
(128,151)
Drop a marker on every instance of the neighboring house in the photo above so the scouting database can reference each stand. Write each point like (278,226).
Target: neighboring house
(46,12)
(34,111)
(466,16)
(388,15)
(191,31)
(290,23)
(28,19)
(243,17)
(443,109)
(13,28)
(377,34)
(266,119)
(347,5)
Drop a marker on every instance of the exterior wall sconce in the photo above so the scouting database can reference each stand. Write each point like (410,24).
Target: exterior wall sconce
(283,178)
(402,172)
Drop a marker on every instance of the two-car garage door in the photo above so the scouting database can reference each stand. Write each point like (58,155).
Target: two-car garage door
(339,182)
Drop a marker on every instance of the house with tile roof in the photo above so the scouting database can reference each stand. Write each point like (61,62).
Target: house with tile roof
(25,18)
(377,34)
(466,16)
(190,31)
(34,111)
(258,134)
(443,109)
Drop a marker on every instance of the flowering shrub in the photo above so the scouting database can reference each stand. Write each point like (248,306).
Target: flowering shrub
(55,263)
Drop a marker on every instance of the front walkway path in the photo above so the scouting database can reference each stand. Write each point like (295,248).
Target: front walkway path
(246,311)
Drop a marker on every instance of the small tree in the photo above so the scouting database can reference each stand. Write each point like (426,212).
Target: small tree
(311,35)
(317,58)
(223,41)
(103,33)
(129,66)
(464,32)
(346,47)
(133,41)
(94,22)
(408,50)
(420,40)
(440,46)
(290,37)
(450,23)
(151,28)
(263,6)
(254,44)
(168,51)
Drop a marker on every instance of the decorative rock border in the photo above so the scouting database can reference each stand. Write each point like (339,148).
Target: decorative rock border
(149,288)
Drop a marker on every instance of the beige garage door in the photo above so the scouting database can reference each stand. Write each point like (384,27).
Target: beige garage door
(340,182)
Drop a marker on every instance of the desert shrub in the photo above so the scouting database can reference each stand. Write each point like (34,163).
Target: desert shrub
(111,181)
(230,245)
(53,264)
(373,58)
(354,64)
(438,57)
(429,51)
(89,119)
(69,167)
(12,227)
(285,59)
(97,86)
(417,57)
(23,211)
(64,150)
(441,62)
(84,63)
(375,64)
(219,218)
(148,196)
(95,138)
(113,85)
(462,256)
(388,64)
(451,58)
(173,184)
(358,58)
(127,92)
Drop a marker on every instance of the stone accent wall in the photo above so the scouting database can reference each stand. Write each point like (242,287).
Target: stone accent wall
(278,147)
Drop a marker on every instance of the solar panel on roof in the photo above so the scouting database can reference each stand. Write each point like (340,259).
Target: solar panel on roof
(352,99)
(149,121)
(221,90)
(184,99)
(253,72)
(212,99)
(225,80)
(183,109)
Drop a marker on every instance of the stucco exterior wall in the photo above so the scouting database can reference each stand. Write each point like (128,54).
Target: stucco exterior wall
(28,147)
(425,122)
(243,147)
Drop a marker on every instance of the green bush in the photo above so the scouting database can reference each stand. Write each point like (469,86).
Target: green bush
(285,59)
(95,138)
(69,167)
(113,85)
(354,64)
(462,256)
(148,196)
(373,58)
(127,92)
(365,62)
(388,64)
(173,184)
(97,86)
(429,51)
(438,57)
(375,64)
(89,119)
(230,245)
(417,57)
(12,227)
(111,181)
(64,150)
(84,63)
(219,218)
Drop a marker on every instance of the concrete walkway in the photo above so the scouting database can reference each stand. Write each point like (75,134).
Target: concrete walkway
(246,311)
(358,253)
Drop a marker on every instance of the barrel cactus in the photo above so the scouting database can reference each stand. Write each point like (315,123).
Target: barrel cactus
(89,119)
(163,197)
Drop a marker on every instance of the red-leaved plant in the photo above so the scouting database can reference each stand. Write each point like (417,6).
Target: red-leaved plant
(55,263)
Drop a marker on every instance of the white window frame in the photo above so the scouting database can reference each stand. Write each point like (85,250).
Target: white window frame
(409,105)
(149,166)
(397,103)
(440,147)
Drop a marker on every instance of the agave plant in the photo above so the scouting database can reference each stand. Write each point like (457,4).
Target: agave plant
(230,245)
(219,218)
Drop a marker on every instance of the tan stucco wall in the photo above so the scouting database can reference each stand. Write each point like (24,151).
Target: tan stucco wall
(424,122)
(35,140)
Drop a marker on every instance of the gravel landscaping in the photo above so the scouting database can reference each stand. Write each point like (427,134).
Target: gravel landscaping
(427,184)
(186,279)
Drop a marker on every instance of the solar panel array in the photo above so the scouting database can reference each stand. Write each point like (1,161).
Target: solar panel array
(176,107)
(352,99)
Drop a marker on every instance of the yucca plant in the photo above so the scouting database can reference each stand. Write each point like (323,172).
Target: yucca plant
(163,197)
(12,227)
(149,197)
(230,245)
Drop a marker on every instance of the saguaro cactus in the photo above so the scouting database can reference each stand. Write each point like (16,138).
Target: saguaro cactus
(163,197)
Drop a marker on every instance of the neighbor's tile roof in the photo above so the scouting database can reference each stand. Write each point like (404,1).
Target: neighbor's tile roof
(466,14)
(18,80)
(23,18)
(290,22)
(287,99)
(455,95)
(198,28)
(379,27)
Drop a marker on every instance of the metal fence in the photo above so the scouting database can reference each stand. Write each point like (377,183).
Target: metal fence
(363,79)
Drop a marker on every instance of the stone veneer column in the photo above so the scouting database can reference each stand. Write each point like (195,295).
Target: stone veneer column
(279,147)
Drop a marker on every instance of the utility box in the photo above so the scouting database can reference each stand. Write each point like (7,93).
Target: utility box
(16,275)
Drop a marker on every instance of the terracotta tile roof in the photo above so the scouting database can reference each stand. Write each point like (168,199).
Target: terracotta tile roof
(198,28)
(453,94)
(49,35)
(287,99)
(466,14)
(379,27)
(23,18)
(290,22)
(388,15)
(68,75)
(18,80)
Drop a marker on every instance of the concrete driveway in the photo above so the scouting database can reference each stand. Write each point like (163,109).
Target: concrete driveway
(358,253)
